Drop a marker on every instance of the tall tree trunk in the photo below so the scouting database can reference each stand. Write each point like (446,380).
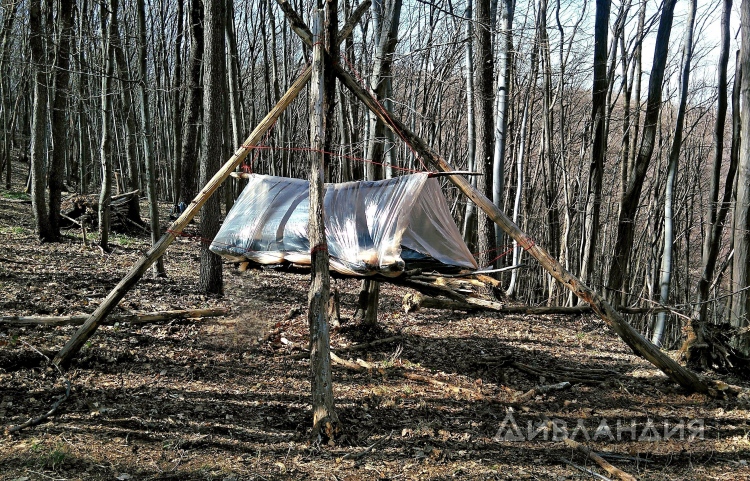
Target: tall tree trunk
(741,265)
(548,163)
(674,157)
(126,98)
(177,104)
(325,421)
(9,16)
(189,150)
(618,270)
(386,36)
(60,114)
(483,89)
(39,59)
(214,81)
(470,216)
(146,132)
(501,118)
(107,14)
(599,150)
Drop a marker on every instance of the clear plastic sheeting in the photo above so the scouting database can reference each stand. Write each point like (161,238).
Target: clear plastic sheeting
(372,228)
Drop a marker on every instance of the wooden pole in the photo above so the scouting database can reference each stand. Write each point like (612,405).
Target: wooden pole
(632,338)
(158,249)
(325,421)
(640,345)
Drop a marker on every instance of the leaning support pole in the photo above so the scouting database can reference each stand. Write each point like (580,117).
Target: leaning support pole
(152,255)
(639,344)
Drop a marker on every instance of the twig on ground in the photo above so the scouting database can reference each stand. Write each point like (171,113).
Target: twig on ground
(585,470)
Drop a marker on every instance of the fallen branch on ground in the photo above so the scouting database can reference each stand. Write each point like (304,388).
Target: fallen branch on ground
(414,301)
(542,390)
(612,470)
(135,318)
(362,366)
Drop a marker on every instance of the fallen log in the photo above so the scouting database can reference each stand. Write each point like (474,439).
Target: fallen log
(413,302)
(134,318)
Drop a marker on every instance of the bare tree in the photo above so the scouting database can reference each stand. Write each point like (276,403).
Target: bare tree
(214,81)
(322,93)
(598,111)
(484,102)
(108,12)
(59,113)
(674,158)
(618,270)
(146,132)
(189,151)
(39,59)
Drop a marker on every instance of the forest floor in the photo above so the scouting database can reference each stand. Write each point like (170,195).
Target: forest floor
(229,398)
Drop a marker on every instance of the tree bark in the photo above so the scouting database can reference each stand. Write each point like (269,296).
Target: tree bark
(741,266)
(214,80)
(177,105)
(325,421)
(39,59)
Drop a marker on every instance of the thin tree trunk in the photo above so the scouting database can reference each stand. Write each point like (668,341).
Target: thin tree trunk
(504,63)
(674,157)
(596,169)
(108,12)
(146,133)
(386,37)
(470,216)
(177,105)
(60,115)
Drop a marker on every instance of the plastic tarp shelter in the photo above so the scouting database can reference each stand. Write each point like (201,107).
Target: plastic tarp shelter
(372,227)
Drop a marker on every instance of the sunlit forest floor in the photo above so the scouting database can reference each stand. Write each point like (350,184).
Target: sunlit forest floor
(229,398)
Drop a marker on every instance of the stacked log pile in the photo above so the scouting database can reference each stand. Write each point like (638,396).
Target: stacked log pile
(125,213)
